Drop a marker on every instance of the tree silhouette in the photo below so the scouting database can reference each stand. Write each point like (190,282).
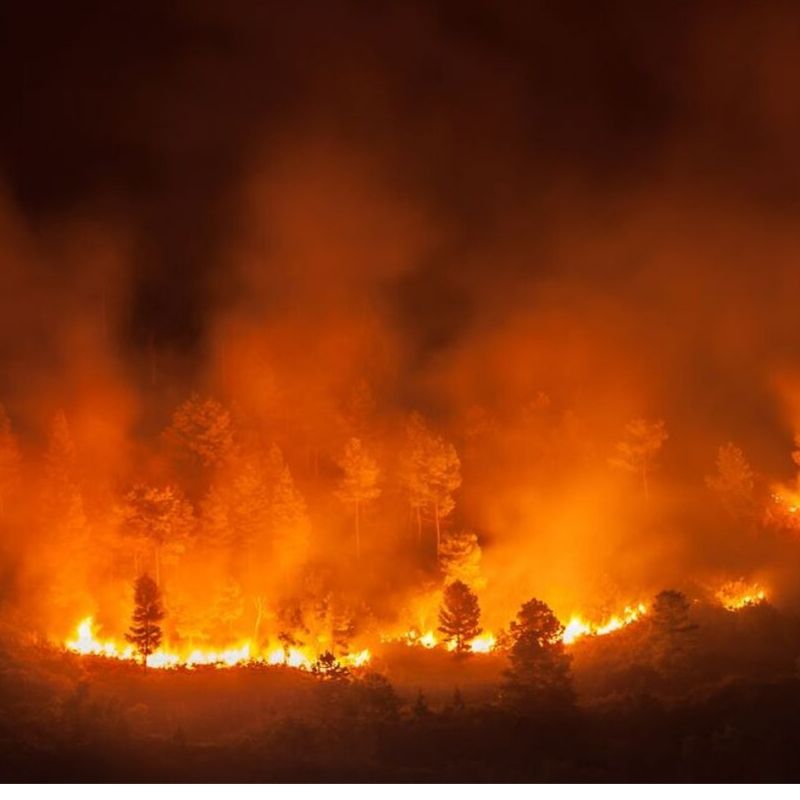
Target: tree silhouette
(359,484)
(145,632)
(328,668)
(430,470)
(202,428)
(539,669)
(638,450)
(459,616)
(460,558)
(160,516)
(734,480)
(289,524)
(63,499)
(672,632)
(236,510)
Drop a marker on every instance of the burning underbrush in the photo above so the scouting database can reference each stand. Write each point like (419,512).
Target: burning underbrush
(732,596)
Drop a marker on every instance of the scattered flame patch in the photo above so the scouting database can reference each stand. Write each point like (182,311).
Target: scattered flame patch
(736,595)
(578,627)
(484,643)
(85,643)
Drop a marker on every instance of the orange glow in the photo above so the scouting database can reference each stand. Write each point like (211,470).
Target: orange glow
(85,643)
(578,626)
(484,643)
(736,595)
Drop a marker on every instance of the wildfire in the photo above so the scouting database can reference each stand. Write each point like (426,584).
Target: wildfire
(85,643)
(578,627)
(483,644)
(736,595)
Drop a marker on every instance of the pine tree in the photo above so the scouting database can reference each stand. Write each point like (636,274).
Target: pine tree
(672,632)
(63,500)
(359,484)
(202,428)
(461,559)
(145,632)
(459,616)
(430,470)
(734,480)
(421,708)
(539,669)
(328,668)
(638,451)
(289,526)
(160,516)
(236,513)
(62,517)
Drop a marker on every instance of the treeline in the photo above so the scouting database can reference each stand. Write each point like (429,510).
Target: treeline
(677,714)
(318,544)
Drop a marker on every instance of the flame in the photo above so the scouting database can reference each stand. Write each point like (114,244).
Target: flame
(736,595)
(230,658)
(575,628)
(484,643)
(358,659)
(85,643)
(578,627)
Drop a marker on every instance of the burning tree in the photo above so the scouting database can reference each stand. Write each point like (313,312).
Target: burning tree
(431,473)
(540,667)
(461,559)
(236,510)
(290,526)
(145,632)
(734,479)
(359,484)
(63,500)
(160,516)
(459,616)
(202,428)
(62,515)
(638,451)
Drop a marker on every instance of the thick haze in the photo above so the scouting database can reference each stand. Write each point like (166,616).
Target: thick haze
(466,205)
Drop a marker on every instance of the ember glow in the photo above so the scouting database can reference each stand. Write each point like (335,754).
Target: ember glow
(85,643)
(736,595)
(578,627)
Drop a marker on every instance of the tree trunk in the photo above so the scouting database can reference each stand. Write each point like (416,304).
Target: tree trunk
(438,529)
(358,530)
(419,526)
(259,613)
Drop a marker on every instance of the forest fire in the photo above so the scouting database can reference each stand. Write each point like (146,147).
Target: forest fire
(736,595)
(85,643)
(406,388)
(578,627)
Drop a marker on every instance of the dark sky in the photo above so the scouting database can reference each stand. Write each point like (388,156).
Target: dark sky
(152,111)
(153,114)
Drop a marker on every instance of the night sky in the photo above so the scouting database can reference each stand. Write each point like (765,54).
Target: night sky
(529,146)
(152,113)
